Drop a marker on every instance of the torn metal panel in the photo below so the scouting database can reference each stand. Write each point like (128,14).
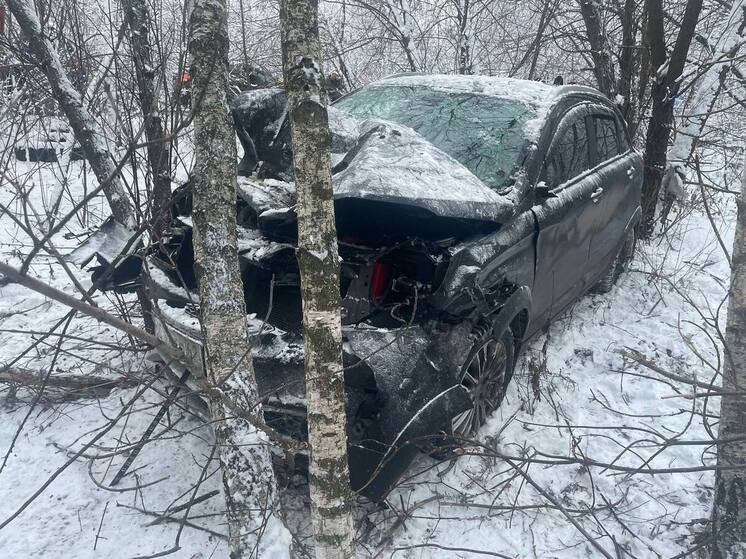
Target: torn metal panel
(106,245)
(263,131)
(267,194)
(107,242)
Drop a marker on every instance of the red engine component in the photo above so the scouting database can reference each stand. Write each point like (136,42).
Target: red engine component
(380,281)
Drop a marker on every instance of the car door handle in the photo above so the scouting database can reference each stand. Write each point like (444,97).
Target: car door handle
(596,195)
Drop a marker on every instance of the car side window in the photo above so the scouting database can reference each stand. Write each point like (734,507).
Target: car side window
(569,155)
(555,170)
(607,137)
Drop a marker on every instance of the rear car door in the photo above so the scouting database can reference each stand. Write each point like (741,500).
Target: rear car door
(619,172)
(566,217)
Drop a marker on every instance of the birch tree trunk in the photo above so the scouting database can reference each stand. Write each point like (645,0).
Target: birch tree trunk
(138,21)
(318,260)
(464,52)
(250,490)
(729,509)
(86,130)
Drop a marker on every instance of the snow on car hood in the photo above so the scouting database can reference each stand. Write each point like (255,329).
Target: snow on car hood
(372,160)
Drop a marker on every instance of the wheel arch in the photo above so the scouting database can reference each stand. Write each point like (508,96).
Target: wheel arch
(514,314)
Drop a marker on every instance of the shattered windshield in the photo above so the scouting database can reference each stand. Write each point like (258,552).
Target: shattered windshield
(483,133)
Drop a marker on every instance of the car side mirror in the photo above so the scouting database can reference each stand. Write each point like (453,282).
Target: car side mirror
(543,192)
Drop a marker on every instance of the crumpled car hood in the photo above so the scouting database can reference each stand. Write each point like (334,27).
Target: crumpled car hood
(392,163)
(372,160)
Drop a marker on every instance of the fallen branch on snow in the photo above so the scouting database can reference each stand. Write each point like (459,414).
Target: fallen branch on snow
(14,276)
(67,387)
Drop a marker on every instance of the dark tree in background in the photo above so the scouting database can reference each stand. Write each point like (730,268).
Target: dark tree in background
(665,73)
(139,20)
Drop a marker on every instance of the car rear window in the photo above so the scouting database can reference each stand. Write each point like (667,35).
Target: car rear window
(483,133)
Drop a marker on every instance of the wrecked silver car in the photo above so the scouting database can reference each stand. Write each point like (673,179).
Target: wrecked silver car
(470,211)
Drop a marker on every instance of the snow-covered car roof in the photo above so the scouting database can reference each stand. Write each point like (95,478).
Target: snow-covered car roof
(531,92)
(528,91)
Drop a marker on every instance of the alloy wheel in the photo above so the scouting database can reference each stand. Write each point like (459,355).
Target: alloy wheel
(484,379)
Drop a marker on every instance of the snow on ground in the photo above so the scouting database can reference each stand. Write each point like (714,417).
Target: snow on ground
(73,517)
(594,404)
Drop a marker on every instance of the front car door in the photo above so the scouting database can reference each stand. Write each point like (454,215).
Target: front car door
(566,220)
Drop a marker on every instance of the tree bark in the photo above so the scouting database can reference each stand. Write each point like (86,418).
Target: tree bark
(729,37)
(666,73)
(138,21)
(318,260)
(248,479)
(628,64)
(729,510)
(86,130)
(603,64)
(464,52)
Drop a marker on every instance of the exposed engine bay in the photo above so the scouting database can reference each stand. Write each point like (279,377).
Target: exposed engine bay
(414,228)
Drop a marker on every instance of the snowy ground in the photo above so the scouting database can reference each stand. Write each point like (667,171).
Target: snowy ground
(589,404)
(594,406)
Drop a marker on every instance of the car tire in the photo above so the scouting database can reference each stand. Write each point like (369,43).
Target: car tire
(485,374)
(618,265)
